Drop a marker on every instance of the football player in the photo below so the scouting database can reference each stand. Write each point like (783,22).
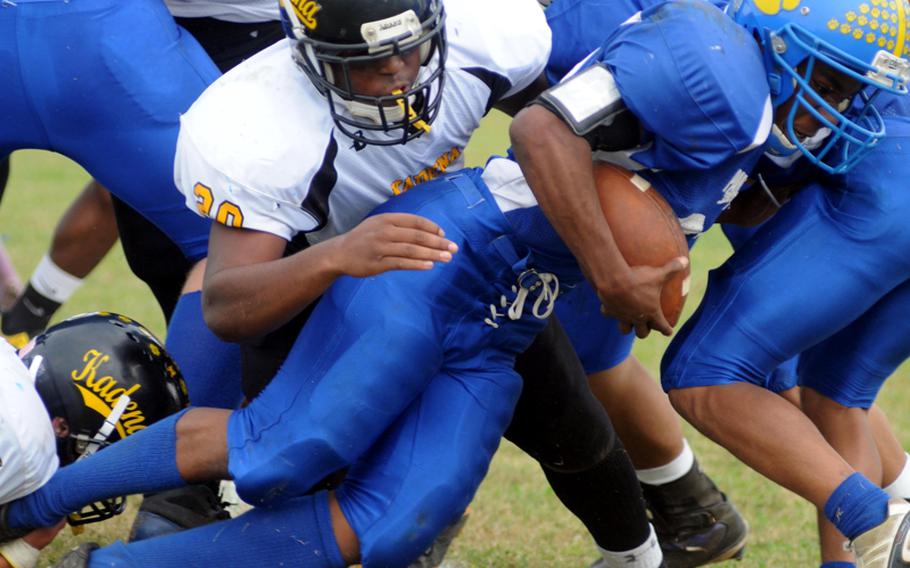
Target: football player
(695,521)
(98,377)
(828,241)
(119,119)
(474,85)
(348,171)
(808,120)
(327,358)
(27,452)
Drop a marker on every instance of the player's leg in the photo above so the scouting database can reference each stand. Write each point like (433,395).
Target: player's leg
(296,532)
(335,395)
(82,238)
(136,106)
(10,284)
(694,521)
(415,480)
(716,368)
(895,461)
(840,379)
(560,423)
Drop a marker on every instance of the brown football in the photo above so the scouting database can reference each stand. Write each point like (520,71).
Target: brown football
(645,229)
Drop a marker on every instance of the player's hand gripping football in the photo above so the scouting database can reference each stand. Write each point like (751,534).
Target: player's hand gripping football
(635,300)
(393,241)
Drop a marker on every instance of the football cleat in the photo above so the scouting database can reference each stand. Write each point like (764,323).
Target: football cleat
(77,557)
(695,522)
(435,554)
(885,545)
(175,510)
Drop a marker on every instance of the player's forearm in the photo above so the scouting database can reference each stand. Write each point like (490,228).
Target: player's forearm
(558,167)
(248,301)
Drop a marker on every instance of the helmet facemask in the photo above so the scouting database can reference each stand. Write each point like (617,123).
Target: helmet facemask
(388,119)
(861,44)
(854,125)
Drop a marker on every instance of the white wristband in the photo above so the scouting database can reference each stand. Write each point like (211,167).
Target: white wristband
(20,554)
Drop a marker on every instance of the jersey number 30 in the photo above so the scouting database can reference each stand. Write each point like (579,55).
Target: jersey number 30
(228,213)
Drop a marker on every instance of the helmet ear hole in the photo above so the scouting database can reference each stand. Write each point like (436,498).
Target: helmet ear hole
(61,427)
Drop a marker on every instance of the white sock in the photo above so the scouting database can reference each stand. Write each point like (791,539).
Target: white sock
(646,555)
(672,471)
(53,282)
(900,487)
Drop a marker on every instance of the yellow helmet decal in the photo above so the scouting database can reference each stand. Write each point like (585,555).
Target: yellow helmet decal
(772,7)
(101,393)
(93,401)
(878,22)
(306,10)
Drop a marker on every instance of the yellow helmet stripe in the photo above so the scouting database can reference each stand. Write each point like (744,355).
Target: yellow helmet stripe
(94,402)
(901,27)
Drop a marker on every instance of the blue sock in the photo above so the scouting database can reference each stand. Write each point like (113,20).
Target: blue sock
(838,564)
(211,367)
(297,532)
(856,506)
(143,462)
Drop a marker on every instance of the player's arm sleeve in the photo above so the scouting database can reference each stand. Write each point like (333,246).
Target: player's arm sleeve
(591,105)
(238,191)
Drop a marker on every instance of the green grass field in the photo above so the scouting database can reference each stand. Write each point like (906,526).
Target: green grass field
(516,519)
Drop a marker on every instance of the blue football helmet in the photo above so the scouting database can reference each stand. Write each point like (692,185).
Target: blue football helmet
(865,40)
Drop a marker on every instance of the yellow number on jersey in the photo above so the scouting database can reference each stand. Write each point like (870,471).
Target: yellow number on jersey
(203,198)
(229,214)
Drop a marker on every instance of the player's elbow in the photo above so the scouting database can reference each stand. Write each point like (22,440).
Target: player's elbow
(534,129)
(521,131)
(221,318)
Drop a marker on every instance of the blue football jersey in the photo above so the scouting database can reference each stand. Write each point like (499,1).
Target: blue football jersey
(692,77)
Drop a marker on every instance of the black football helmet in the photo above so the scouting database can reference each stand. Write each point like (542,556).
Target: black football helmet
(331,36)
(102,377)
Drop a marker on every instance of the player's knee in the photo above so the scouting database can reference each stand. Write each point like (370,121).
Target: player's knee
(294,470)
(202,444)
(569,443)
(693,404)
(819,406)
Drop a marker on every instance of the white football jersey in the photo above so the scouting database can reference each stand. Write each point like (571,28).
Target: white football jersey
(259,149)
(28,450)
(240,11)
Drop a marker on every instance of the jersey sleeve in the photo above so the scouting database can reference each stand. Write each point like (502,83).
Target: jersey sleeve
(252,146)
(214,193)
(506,43)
